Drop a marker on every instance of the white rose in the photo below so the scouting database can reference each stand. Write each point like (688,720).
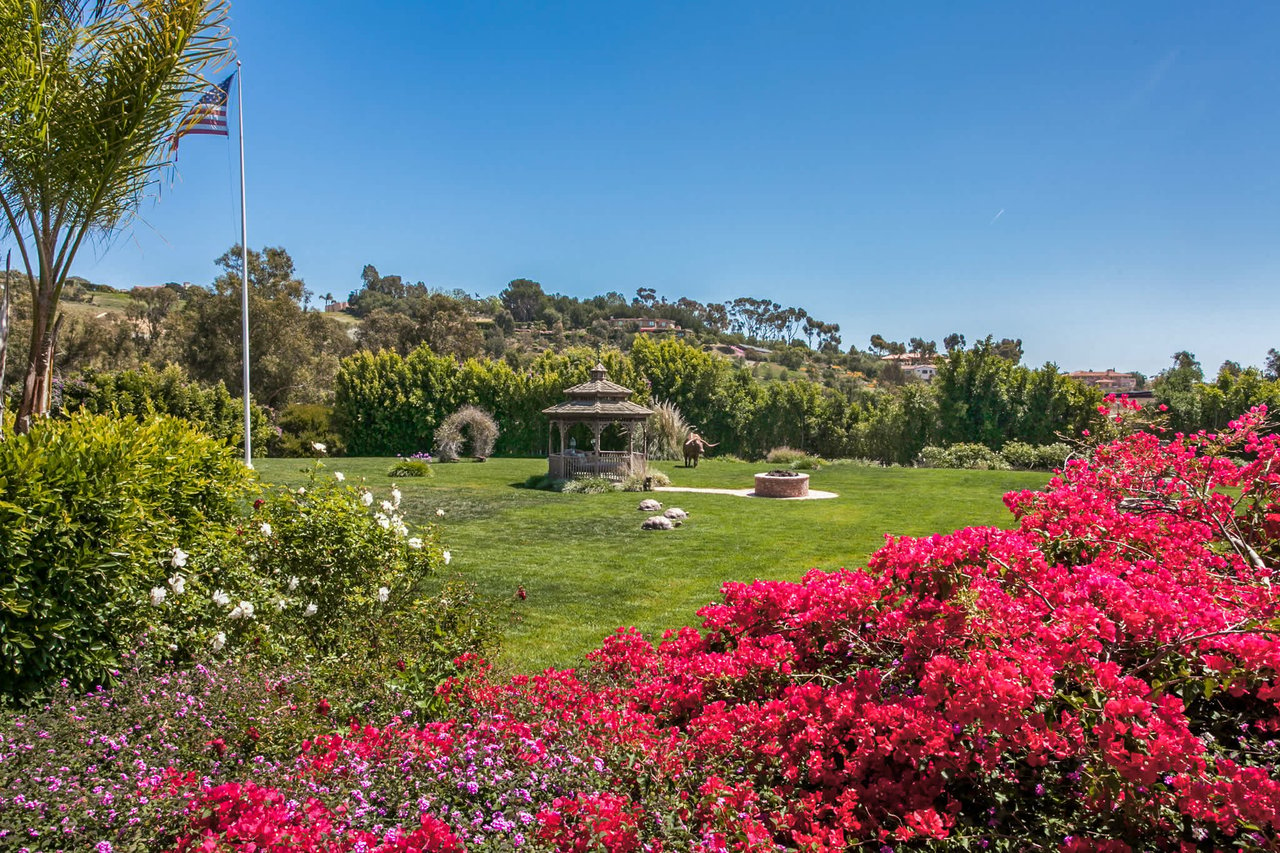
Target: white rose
(243,610)
(447,557)
(319,446)
(302,490)
(281,604)
(219,640)
(265,528)
(178,558)
(179,583)
(415,543)
(383,594)
(387,507)
(220,598)
(400,527)
(311,610)
(395,496)
(366,498)
(339,476)
(383,521)
(293,583)
(157,595)
(440,513)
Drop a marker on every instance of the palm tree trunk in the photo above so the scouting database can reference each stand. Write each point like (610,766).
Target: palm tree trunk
(39,360)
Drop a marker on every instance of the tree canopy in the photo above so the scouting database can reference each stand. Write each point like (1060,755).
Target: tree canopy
(90,94)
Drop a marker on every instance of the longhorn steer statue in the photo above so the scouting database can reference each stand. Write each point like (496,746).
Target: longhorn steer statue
(694,446)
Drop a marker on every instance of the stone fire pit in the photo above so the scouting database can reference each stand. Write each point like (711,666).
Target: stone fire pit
(782,484)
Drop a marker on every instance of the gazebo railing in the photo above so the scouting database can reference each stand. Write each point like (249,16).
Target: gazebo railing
(611,464)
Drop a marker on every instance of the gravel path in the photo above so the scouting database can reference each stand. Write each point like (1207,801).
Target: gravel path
(814,494)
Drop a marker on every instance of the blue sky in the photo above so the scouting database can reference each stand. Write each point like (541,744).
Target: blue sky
(1098,179)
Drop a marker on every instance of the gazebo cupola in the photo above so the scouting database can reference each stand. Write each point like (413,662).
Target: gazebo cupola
(597,404)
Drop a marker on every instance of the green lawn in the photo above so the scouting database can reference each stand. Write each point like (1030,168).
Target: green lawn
(588,567)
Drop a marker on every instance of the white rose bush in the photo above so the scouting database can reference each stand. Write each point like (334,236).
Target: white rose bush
(327,575)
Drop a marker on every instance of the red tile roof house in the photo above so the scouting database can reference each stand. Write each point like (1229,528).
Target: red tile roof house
(1106,380)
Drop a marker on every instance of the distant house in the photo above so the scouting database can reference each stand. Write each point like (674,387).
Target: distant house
(907,359)
(647,325)
(925,372)
(1106,380)
(337,306)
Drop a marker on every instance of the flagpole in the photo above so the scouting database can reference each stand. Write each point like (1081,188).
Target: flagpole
(4,333)
(244,272)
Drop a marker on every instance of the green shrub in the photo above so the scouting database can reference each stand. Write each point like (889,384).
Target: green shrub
(544,482)
(1052,456)
(411,468)
(303,426)
(91,508)
(807,463)
(1019,454)
(635,482)
(590,486)
(147,391)
(977,457)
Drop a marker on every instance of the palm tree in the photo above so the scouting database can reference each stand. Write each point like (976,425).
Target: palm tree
(90,94)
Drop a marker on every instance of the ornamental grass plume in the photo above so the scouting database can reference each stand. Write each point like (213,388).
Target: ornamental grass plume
(665,431)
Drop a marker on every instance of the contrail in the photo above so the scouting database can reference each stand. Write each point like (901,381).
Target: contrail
(997,216)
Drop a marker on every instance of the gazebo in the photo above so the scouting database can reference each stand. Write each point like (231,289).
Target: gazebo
(597,404)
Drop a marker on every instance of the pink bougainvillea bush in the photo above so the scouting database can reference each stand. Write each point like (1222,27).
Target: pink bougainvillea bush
(1105,676)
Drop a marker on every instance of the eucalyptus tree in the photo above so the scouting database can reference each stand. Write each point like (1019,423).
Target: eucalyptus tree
(91,92)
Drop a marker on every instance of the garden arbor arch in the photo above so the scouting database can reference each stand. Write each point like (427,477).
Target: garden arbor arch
(597,404)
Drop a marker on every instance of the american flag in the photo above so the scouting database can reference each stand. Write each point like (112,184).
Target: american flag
(209,115)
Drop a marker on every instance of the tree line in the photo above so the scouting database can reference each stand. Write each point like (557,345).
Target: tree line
(386,403)
(313,371)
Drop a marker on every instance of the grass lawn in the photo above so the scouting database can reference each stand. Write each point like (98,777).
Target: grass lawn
(588,567)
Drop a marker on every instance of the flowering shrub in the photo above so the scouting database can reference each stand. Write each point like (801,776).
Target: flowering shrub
(328,576)
(97,767)
(116,530)
(411,468)
(1107,671)
(976,457)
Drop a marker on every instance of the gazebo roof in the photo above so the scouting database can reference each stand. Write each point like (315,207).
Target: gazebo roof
(597,409)
(598,399)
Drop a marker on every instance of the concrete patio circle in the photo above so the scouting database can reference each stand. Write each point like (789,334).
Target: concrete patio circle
(814,494)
